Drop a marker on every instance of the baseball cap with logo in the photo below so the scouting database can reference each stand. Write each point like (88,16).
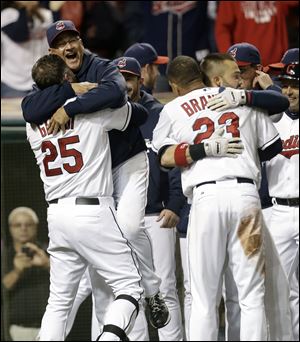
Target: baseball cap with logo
(290,72)
(128,65)
(290,56)
(145,54)
(57,28)
(245,54)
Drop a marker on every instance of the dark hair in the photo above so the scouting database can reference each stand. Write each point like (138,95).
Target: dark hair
(209,62)
(184,70)
(49,70)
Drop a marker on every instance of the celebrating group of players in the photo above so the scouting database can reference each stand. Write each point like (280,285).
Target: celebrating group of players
(101,178)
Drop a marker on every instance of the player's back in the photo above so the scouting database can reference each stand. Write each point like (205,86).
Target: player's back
(191,122)
(78,162)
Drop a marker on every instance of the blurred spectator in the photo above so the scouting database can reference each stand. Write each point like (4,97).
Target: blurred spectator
(261,23)
(173,28)
(102,30)
(23,41)
(66,10)
(26,278)
(177,27)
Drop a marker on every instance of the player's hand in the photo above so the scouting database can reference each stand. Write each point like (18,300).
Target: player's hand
(229,98)
(264,80)
(58,121)
(83,87)
(218,146)
(21,262)
(40,258)
(170,219)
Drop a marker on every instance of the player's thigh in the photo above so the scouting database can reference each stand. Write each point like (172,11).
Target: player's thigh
(131,193)
(107,250)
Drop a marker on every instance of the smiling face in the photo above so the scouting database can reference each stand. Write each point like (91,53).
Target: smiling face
(68,46)
(290,88)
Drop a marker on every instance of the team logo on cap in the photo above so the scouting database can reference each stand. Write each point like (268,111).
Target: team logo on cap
(122,63)
(290,70)
(233,52)
(60,26)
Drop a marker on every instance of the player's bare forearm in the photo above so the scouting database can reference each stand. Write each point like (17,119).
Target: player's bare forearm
(168,157)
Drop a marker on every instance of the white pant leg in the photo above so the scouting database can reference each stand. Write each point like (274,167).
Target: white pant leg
(101,301)
(232,307)
(284,228)
(164,244)
(130,193)
(79,236)
(186,284)
(84,290)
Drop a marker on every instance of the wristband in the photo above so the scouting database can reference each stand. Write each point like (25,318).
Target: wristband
(248,97)
(179,155)
(197,151)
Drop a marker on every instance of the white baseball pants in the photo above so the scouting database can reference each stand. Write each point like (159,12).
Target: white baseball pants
(82,235)
(226,219)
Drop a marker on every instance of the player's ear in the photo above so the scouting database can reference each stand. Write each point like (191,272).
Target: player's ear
(141,80)
(217,81)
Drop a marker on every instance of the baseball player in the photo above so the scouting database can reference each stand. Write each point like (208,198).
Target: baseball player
(81,208)
(218,69)
(225,215)
(149,60)
(283,180)
(128,150)
(165,199)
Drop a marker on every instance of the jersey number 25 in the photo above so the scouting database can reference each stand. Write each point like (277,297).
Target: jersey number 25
(64,152)
(232,128)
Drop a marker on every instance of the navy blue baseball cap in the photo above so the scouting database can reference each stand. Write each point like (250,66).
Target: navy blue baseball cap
(290,72)
(289,57)
(128,65)
(145,54)
(58,27)
(245,54)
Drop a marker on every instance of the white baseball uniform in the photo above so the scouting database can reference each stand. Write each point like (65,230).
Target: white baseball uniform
(225,216)
(75,168)
(283,179)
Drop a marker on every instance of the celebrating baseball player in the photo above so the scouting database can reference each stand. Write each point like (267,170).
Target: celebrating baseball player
(239,68)
(110,92)
(81,208)
(165,198)
(283,180)
(225,215)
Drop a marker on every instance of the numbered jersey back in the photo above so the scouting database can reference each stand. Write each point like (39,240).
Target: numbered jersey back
(78,162)
(187,119)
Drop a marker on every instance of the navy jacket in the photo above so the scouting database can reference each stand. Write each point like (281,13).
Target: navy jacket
(164,191)
(39,105)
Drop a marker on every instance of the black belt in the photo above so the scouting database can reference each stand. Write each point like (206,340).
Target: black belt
(239,180)
(81,200)
(291,202)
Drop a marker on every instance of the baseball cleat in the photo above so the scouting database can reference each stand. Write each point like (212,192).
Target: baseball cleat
(159,312)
